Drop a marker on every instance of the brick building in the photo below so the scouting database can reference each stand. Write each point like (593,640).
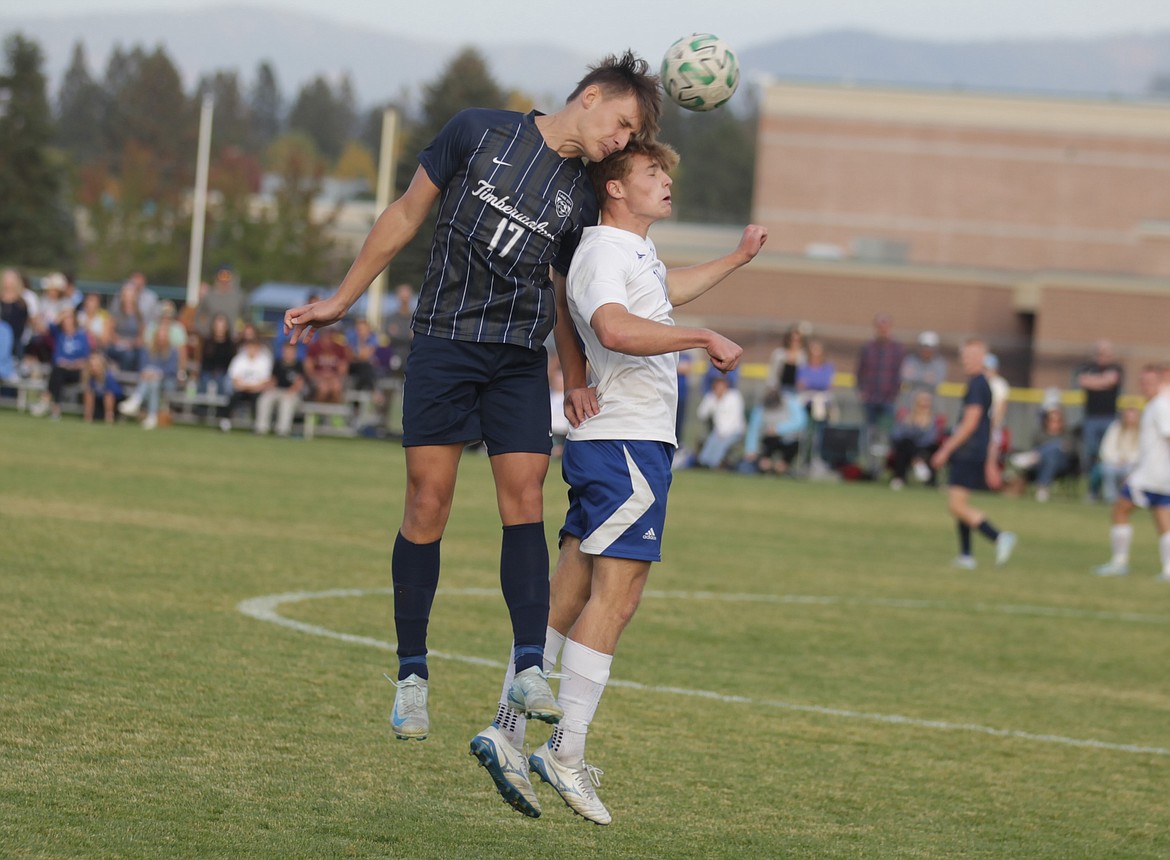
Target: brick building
(1040,224)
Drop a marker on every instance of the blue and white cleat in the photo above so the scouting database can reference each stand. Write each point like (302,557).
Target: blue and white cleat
(1004,544)
(531,695)
(573,783)
(1113,568)
(409,718)
(508,769)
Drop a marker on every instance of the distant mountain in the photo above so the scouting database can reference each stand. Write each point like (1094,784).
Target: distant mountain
(384,66)
(1114,65)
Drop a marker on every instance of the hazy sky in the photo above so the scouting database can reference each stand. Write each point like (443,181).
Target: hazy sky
(649,25)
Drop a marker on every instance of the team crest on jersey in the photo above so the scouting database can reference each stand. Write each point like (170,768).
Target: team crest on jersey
(564,204)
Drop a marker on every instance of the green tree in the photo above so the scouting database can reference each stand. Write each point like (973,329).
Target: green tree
(80,106)
(231,125)
(265,109)
(35,227)
(328,118)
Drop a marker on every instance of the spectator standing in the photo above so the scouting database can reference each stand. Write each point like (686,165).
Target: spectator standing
(146,298)
(924,369)
(1119,452)
(1101,380)
(128,330)
(50,309)
(224,297)
(879,379)
(785,362)
(814,383)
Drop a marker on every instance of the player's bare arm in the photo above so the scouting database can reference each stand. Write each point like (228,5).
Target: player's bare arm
(621,331)
(396,226)
(580,399)
(688,283)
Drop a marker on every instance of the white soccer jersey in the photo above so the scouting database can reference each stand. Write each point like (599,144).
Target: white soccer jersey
(1152,473)
(637,394)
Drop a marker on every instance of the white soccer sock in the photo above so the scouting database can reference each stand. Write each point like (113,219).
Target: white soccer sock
(587,672)
(1120,537)
(513,723)
(1164,551)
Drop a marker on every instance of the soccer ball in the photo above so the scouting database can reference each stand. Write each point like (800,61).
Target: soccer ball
(699,72)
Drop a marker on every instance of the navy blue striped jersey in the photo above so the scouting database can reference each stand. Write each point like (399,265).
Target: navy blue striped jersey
(509,208)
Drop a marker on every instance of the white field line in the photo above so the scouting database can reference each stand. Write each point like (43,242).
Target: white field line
(265,608)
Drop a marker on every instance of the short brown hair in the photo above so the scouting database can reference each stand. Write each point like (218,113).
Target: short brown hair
(617,166)
(619,76)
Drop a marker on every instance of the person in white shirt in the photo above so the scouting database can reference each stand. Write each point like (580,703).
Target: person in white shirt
(1119,452)
(250,372)
(1148,485)
(724,407)
(617,461)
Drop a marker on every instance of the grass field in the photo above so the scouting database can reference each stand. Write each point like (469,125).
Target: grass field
(808,678)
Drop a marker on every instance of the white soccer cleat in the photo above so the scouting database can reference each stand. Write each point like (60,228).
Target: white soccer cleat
(508,769)
(1113,568)
(1004,544)
(964,562)
(574,783)
(531,695)
(409,718)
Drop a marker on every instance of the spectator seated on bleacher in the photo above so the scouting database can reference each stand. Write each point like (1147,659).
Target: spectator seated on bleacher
(915,436)
(102,390)
(159,363)
(723,406)
(774,431)
(1053,456)
(70,354)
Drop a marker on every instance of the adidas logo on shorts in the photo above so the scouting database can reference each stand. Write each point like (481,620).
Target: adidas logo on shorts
(650,535)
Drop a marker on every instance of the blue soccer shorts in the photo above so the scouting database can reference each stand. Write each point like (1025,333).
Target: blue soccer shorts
(1145,499)
(617,496)
(458,391)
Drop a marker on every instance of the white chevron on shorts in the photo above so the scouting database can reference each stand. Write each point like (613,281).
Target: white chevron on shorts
(627,513)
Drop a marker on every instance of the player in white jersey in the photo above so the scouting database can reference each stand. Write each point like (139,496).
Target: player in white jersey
(1148,485)
(617,461)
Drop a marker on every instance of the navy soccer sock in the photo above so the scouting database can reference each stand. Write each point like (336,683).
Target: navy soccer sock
(964,538)
(415,571)
(988,531)
(524,581)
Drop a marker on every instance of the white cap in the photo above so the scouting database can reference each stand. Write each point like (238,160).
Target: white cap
(928,338)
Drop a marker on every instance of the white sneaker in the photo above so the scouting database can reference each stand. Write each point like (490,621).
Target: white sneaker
(1164,576)
(149,422)
(225,424)
(409,718)
(508,769)
(921,471)
(964,562)
(574,783)
(897,484)
(531,695)
(1004,544)
(1113,568)
(1042,495)
(130,406)
(39,409)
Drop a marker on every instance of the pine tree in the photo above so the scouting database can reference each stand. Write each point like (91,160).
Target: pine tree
(265,110)
(35,227)
(80,108)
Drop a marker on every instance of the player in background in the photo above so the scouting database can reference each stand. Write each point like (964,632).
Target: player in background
(617,462)
(513,199)
(1148,485)
(971,451)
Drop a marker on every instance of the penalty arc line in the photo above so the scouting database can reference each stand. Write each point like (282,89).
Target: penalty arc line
(265,608)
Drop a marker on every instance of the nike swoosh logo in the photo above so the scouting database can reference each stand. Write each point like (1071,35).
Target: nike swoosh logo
(501,163)
(640,256)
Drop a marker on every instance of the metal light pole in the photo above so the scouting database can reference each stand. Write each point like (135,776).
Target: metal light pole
(199,204)
(386,158)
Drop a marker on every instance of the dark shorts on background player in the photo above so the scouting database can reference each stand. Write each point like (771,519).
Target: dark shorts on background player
(969,474)
(617,496)
(458,391)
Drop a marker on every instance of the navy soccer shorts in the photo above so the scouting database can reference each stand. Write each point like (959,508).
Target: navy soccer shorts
(459,391)
(969,474)
(617,496)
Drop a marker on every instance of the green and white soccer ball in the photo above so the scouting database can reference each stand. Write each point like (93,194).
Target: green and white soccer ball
(699,72)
